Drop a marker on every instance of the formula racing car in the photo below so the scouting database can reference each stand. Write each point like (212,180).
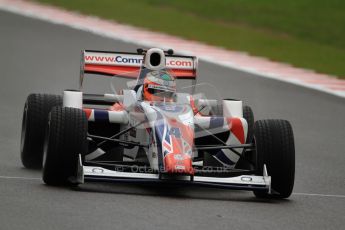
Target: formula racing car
(154,129)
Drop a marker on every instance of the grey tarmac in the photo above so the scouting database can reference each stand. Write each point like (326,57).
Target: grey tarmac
(37,56)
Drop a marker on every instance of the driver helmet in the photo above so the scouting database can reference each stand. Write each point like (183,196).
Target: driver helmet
(159,86)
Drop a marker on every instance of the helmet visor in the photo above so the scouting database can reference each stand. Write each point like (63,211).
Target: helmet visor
(159,92)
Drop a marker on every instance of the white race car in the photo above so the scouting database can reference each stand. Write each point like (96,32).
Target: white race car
(154,131)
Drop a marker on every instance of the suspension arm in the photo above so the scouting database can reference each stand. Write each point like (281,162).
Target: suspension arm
(128,143)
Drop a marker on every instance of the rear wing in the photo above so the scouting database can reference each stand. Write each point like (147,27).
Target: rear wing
(128,65)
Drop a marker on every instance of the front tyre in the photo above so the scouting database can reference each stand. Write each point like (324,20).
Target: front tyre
(275,147)
(35,117)
(66,138)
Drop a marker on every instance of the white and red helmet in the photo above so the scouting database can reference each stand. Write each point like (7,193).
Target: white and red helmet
(159,85)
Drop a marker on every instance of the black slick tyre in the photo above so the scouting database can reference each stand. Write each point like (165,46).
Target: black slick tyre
(249,116)
(66,138)
(275,148)
(35,117)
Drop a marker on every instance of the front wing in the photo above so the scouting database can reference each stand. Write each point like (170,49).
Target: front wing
(243,182)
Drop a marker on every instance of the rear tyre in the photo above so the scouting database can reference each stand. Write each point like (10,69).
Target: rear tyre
(249,116)
(65,139)
(245,162)
(114,152)
(35,117)
(210,161)
(111,154)
(275,147)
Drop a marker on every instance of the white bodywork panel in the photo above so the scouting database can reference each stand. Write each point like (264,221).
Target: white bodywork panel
(73,99)
(232,108)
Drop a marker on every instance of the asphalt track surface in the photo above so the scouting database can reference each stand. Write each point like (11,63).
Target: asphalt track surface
(36,56)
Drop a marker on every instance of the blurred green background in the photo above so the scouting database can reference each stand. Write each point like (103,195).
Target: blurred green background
(304,33)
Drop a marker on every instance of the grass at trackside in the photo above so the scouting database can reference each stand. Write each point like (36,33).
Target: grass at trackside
(305,33)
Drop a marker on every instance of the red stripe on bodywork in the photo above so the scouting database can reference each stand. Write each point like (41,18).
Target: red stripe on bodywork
(182,73)
(88,113)
(192,104)
(236,128)
(123,71)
